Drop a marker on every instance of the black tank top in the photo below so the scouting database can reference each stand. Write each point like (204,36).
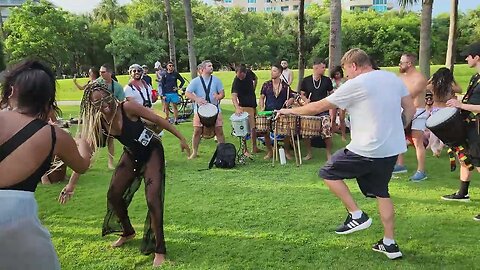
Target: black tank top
(29,184)
(135,137)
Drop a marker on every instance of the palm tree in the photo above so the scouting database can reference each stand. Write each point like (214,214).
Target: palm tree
(192,58)
(335,42)
(171,33)
(301,42)
(110,11)
(452,35)
(425,33)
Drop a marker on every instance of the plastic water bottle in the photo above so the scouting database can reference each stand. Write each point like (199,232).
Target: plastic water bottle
(281,153)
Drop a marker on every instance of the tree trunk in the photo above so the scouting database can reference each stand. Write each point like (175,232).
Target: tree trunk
(335,42)
(452,35)
(171,33)
(301,43)
(192,58)
(425,37)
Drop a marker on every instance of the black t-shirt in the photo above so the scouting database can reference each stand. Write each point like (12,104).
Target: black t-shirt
(474,87)
(245,91)
(319,89)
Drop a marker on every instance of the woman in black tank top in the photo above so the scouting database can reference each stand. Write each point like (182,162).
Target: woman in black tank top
(143,157)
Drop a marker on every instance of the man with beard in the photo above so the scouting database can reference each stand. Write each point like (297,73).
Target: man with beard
(417,86)
(137,89)
(197,91)
(314,88)
(169,86)
(244,99)
(287,74)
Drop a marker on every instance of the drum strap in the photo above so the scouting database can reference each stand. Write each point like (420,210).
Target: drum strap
(141,94)
(207,88)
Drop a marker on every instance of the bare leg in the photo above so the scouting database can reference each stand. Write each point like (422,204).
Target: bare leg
(219,134)
(268,144)
(308,146)
(122,178)
(340,189)
(111,153)
(175,112)
(328,147)
(343,126)
(417,136)
(387,215)
(167,111)
(197,133)
(155,193)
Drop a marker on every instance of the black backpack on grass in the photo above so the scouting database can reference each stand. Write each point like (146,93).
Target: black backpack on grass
(224,156)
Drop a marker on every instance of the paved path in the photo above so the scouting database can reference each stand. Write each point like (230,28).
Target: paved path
(77,102)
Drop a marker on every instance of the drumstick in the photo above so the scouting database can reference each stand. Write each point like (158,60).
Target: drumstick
(274,154)
(309,95)
(299,150)
(294,147)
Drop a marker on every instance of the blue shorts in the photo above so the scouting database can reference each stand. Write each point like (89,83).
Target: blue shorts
(172,98)
(372,174)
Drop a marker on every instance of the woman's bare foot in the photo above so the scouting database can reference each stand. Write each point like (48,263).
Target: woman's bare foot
(110,165)
(122,240)
(158,260)
(45,180)
(308,157)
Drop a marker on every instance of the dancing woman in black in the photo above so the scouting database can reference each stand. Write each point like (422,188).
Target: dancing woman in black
(143,157)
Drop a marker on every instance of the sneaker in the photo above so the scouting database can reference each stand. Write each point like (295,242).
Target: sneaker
(456,197)
(399,169)
(392,251)
(477,217)
(352,225)
(418,176)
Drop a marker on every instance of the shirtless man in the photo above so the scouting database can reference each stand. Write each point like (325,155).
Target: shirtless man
(416,84)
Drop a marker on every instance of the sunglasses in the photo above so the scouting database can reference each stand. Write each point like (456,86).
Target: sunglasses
(138,70)
(98,103)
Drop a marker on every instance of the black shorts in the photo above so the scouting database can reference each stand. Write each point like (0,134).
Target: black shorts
(473,144)
(372,174)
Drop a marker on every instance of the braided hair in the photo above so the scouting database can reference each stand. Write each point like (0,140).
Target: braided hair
(442,83)
(90,116)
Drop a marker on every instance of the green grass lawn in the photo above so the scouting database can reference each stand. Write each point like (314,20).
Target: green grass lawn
(258,217)
(68,91)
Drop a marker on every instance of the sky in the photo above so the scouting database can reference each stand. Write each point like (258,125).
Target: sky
(83,6)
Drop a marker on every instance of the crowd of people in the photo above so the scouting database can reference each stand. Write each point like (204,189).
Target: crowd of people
(383,109)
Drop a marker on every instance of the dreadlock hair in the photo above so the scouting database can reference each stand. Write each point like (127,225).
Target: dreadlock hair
(90,116)
(442,83)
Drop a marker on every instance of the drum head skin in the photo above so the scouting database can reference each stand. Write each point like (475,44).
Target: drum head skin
(207,110)
(240,117)
(441,116)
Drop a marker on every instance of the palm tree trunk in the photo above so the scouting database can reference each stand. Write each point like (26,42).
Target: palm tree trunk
(301,42)
(425,37)
(192,58)
(452,35)
(335,42)
(171,33)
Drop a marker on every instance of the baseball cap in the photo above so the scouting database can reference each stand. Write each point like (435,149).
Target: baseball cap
(473,50)
(157,65)
(144,66)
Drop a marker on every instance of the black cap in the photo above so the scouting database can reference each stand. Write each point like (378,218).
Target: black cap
(473,50)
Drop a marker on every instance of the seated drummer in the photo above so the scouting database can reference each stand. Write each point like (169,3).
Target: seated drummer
(314,88)
(273,96)
(245,100)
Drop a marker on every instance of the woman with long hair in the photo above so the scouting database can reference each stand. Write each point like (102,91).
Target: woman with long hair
(27,145)
(442,87)
(143,157)
(336,75)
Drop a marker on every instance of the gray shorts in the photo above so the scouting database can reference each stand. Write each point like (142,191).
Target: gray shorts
(372,174)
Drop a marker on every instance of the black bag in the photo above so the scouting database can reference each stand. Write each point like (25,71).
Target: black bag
(224,156)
